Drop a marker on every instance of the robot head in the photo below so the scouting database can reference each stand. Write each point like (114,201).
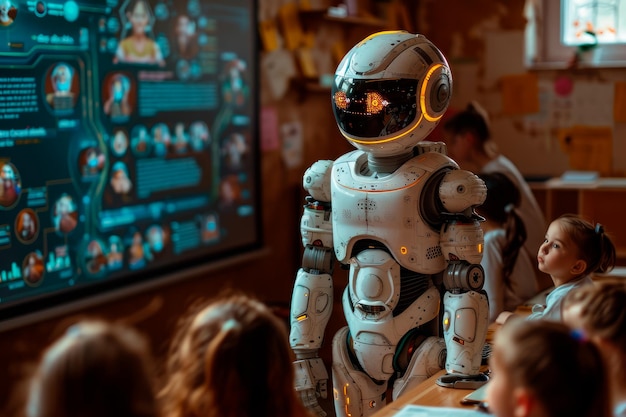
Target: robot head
(390,91)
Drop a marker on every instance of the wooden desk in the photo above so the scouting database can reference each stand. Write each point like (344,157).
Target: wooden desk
(428,393)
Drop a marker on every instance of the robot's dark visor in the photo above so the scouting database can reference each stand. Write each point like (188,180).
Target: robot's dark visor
(370,109)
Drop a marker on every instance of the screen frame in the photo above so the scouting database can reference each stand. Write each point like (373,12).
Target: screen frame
(47,306)
(72,304)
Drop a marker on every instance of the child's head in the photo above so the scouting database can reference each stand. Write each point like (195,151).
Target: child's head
(598,311)
(503,196)
(96,369)
(573,247)
(466,132)
(231,358)
(541,368)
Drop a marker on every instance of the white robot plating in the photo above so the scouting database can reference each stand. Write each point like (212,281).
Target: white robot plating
(398,213)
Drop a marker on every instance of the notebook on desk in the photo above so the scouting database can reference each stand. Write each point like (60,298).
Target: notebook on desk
(424,411)
(477,396)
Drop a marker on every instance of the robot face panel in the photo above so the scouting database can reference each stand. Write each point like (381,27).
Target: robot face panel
(374,109)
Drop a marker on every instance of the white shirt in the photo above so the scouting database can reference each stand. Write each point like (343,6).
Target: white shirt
(620,410)
(522,284)
(554,301)
(529,210)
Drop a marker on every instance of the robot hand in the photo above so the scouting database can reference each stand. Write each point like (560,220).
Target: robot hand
(311,383)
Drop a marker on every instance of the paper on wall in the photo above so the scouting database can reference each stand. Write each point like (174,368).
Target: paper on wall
(291,133)
(504,55)
(593,103)
(278,68)
(270,139)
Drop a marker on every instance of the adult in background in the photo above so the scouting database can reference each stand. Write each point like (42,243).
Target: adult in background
(467,135)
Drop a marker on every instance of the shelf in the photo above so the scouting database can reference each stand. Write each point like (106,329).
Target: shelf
(352,20)
(600,183)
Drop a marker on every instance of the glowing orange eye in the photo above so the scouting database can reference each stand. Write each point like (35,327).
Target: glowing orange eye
(375,102)
(340,100)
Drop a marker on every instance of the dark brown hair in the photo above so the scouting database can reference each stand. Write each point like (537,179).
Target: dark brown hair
(503,197)
(471,120)
(96,369)
(595,247)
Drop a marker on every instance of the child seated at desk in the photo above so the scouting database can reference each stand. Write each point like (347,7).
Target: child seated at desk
(231,358)
(541,369)
(573,249)
(95,369)
(509,268)
(598,312)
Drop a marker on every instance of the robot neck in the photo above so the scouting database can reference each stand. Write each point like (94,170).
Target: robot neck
(385,165)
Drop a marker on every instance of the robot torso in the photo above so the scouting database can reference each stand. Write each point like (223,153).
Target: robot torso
(386,210)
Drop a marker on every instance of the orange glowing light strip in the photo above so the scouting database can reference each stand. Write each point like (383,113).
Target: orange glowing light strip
(378,33)
(423,94)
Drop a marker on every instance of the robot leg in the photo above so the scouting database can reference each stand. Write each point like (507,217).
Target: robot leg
(427,360)
(355,393)
(465,322)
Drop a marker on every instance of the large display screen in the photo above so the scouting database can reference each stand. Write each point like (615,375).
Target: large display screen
(128,143)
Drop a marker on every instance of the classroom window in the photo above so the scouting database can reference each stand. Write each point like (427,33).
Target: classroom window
(560,30)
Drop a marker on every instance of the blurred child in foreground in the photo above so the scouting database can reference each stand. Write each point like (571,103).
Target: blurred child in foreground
(96,369)
(598,311)
(231,358)
(541,369)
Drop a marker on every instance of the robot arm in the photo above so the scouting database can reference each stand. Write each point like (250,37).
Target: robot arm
(311,302)
(311,307)
(461,191)
(466,308)
(312,297)
(465,321)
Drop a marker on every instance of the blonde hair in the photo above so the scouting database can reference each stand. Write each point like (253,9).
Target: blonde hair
(230,358)
(602,312)
(562,370)
(96,369)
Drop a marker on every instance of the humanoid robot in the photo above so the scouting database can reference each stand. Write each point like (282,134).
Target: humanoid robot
(398,214)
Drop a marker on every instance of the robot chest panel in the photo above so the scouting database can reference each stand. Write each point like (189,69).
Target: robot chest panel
(374,210)
(384,210)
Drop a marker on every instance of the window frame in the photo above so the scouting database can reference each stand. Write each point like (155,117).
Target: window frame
(543,41)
